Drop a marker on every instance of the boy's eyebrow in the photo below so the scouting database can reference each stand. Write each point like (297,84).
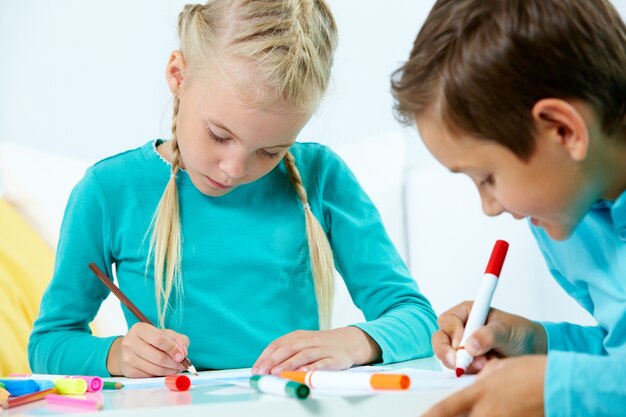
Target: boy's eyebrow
(233,135)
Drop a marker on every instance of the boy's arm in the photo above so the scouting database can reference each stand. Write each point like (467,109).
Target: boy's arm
(399,318)
(583,384)
(61,341)
(575,338)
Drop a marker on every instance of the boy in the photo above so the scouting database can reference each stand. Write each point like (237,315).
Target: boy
(528,98)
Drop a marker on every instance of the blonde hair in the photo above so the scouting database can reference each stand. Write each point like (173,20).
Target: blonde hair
(287,47)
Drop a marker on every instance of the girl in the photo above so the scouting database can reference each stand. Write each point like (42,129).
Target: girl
(236,265)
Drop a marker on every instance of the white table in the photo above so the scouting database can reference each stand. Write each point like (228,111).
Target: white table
(217,400)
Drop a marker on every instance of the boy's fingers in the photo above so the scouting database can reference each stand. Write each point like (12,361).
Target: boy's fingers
(443,348)
(458,404)
(453,326)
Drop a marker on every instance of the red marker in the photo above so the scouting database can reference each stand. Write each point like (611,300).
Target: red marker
(481,305)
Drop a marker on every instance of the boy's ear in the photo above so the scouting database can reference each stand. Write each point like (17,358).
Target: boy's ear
(560,121)
(174,71)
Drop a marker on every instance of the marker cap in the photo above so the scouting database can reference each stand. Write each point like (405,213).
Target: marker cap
(390,381)
(70,385)
(177,382)
(497,258)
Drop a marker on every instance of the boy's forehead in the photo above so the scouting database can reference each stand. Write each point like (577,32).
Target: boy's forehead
(456,151)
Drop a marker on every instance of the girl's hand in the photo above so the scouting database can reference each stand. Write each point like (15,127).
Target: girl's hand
(508,387)
(503,335)
(146,351)
(310,350)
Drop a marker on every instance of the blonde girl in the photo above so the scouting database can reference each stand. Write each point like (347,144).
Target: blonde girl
(228,234)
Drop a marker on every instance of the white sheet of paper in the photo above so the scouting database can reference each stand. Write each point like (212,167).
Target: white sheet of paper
(228,376)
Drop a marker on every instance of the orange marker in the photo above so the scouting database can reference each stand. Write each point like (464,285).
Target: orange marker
(177,382)
(349,380)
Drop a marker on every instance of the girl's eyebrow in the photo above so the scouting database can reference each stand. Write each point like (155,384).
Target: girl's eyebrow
(224,128)
(219,126)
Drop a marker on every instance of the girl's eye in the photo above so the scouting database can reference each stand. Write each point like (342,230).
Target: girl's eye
(487,181)
(270,155)
(216,138)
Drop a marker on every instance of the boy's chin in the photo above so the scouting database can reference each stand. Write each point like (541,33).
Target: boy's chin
(558,232)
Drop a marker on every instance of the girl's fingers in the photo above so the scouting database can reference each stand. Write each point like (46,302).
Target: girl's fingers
(180,339)
(283,348)
(300,359)
(137,362)
(326,363)
(161,341)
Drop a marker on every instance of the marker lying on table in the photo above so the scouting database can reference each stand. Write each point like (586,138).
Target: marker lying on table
(89,403)
(270,384)
(349,380)
(18,386)
(94,383)
(129,304)
(481,305)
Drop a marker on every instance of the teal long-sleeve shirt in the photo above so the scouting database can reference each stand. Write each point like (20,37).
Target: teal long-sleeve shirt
(587,364)
(245,262)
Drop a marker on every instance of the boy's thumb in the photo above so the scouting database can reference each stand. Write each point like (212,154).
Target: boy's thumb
(480,342)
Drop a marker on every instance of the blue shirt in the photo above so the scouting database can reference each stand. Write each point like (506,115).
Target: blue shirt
(245,263)
(586,370)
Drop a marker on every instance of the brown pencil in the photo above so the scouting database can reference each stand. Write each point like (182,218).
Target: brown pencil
(129,304)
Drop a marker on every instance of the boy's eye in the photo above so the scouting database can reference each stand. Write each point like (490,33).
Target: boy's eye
(487,181)
(216,138)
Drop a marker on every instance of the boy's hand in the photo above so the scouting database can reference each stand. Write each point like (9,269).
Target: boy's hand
(146,351)
(507,387)
(503,335)
(310,350)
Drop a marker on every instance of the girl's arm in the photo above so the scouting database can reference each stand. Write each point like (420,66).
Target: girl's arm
(61,341)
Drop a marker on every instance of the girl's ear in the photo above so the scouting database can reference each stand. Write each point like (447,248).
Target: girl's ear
(563,123)
(174,71)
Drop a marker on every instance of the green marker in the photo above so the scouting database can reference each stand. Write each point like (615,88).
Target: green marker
(2,386)
(270,384)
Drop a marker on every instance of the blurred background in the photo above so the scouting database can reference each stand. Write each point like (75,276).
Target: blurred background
(82,80)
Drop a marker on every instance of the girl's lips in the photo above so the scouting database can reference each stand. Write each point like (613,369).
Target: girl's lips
(219,185)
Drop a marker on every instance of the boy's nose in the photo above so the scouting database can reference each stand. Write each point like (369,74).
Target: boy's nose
(491,206)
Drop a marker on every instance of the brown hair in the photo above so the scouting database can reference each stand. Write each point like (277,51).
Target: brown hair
(277,52)
(484,64)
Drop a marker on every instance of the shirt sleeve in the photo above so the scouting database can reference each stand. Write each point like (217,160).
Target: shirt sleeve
(399,318)
(61,341)
(580,384)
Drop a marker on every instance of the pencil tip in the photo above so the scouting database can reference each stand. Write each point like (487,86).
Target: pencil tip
(192,370)
(459,372)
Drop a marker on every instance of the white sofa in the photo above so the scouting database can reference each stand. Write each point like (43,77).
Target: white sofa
(433,217)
